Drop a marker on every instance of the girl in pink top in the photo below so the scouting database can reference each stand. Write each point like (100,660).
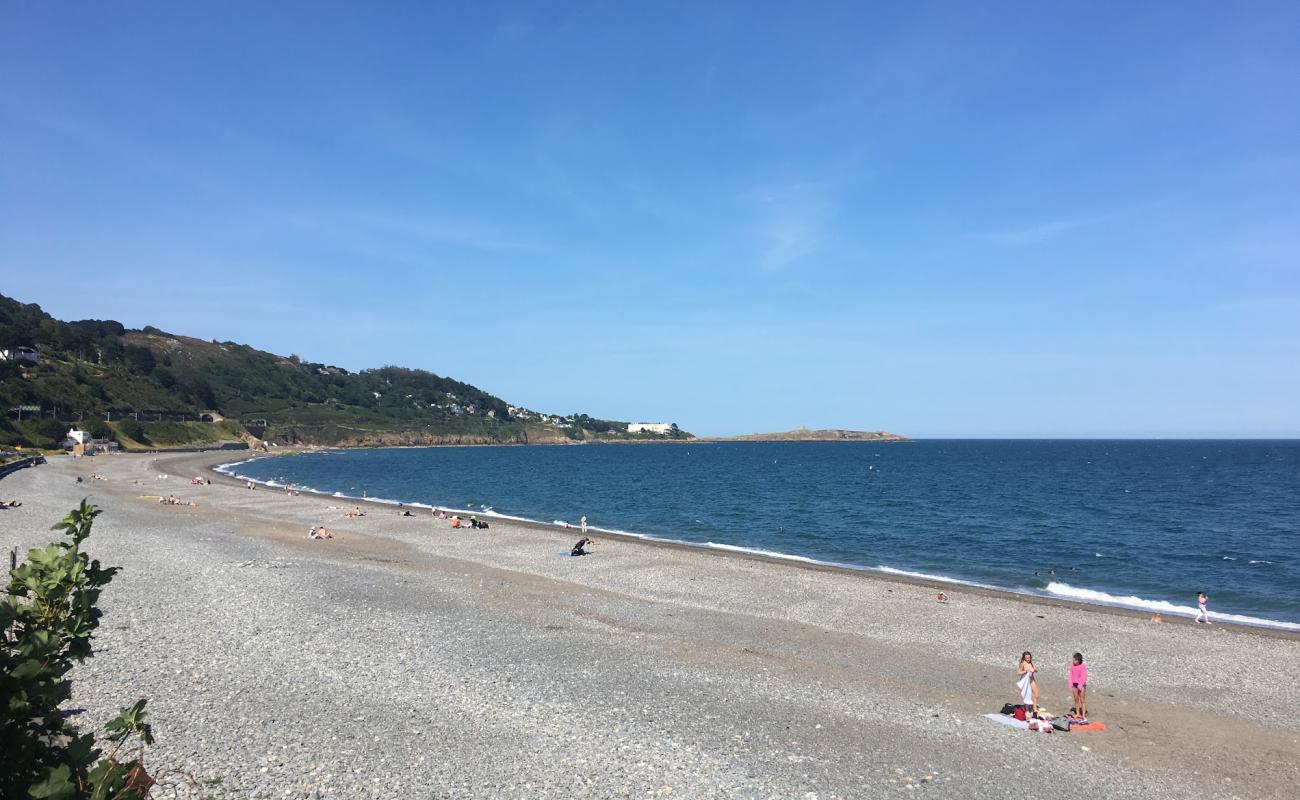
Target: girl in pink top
(1079,685)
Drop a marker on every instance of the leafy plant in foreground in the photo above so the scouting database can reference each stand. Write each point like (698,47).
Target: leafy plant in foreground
(48,614)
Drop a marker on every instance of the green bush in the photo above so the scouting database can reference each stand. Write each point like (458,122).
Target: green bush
(99,429)
(48,615)
(133,429)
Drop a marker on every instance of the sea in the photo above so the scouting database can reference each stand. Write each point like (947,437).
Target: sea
(1135,524)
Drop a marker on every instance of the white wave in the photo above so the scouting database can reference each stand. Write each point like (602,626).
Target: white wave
(1095,597)
(1229,558)
(928,577)
(1260,561)
(228,469)
(735,548)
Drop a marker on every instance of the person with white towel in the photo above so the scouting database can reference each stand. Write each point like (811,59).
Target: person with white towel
(1027,684)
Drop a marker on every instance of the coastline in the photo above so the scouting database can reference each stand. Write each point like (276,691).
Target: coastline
(404,658)
(1263,626)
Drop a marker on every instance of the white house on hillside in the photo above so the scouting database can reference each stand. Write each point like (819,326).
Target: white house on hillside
(649,427)
(29,354)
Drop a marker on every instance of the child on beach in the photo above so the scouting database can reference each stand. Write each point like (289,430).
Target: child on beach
(1202,615)
(1079,686)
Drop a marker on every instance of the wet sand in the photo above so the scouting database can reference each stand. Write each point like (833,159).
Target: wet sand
(467,663)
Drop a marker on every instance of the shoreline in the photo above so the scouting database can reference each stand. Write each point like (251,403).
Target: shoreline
(1265,627)
(405,658)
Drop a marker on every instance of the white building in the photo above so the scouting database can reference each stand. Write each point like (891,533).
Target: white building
(649,427)
(28,354)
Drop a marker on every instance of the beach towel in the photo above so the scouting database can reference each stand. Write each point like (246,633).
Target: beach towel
(1003,719)
(1089,726)
(1026,687)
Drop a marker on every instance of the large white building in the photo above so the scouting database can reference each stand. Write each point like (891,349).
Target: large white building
(649,427)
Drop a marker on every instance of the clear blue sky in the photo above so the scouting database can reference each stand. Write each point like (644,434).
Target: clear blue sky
(965,219)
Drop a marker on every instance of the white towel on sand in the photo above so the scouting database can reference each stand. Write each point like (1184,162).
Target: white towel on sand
(1003,719)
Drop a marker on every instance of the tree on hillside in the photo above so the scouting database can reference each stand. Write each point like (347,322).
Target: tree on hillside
(140,360)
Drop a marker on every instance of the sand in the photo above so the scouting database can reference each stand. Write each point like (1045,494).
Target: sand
(407,659)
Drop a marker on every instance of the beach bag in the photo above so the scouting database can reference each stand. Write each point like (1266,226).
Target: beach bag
(1061,724)
(1008,709)
(1019,713)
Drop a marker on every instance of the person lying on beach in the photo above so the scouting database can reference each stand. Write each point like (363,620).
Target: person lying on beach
(579,549)
(406,513)
(474,522)
(356,512)
(9,504)
(319,533)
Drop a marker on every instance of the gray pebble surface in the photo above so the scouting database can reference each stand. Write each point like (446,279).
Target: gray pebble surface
(406,659)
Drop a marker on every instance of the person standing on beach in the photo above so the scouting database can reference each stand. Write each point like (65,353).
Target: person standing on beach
(584,523)
(1079,685)
(1202,614)
(1027,684)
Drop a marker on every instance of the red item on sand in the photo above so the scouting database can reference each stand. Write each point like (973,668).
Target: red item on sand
(1088,726)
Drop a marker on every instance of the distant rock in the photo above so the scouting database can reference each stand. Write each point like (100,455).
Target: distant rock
(802,434)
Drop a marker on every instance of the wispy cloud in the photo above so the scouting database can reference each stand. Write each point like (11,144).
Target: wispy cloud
(1035,234)
(451,232)
(791,224)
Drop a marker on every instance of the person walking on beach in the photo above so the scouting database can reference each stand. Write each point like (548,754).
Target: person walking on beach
(1027,684)
(1202,615)
(584,524)
(1079,686)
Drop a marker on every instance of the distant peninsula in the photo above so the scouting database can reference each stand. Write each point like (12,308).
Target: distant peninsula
(802,434)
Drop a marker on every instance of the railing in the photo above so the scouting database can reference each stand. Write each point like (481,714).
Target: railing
(21,463)
(112,415)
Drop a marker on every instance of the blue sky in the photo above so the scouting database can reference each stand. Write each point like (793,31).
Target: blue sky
(952,219)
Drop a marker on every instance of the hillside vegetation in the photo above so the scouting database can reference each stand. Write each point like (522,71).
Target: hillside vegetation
(175,390)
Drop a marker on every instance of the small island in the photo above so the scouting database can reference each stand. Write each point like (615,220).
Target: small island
(803,434)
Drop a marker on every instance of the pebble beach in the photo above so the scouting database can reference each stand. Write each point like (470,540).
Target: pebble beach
(404,658)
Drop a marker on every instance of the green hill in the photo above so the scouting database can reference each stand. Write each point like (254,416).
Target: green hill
(151,388)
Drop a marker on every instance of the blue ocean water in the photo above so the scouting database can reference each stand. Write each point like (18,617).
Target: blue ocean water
(1145,524)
